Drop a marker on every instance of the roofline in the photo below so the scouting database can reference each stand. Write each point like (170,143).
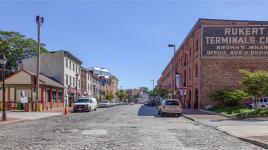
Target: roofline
(68,54)
(198,22)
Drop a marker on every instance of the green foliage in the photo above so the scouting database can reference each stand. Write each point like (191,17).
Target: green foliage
(253,114)
(16,47)
(229,97)
(146,90)
(109,95)
(121,94)
(161,92)
(232,110)
(255,83)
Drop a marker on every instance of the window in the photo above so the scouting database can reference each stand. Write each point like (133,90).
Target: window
(73,81)
(185,57)
(66,76)
(70,81)
(70,65)
(184,83)
(190,74)
(196,70)
(73,67)
(60,96)
(76,68)
(196,45)
(66,63)
(48,96)
(54,96)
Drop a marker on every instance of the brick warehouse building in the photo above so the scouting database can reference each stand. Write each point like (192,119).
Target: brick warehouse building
(211,56)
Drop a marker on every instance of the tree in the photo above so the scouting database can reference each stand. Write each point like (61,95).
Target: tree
(109,95)
(229,97)
(16,47)
(237,95)
(121,94)
(255,84)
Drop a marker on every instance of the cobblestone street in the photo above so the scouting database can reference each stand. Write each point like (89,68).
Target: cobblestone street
(122,127)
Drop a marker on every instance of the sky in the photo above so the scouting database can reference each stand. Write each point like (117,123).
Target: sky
(129,37)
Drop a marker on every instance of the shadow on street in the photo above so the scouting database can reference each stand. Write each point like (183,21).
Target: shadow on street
(147,111)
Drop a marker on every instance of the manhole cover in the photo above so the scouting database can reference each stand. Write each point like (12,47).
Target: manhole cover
(94,132)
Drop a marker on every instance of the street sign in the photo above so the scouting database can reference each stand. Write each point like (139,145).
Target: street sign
(182,92)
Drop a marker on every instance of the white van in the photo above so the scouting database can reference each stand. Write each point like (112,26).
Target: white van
(85,104)
(261,102)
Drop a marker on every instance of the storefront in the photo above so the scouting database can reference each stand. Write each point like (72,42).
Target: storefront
(20,92)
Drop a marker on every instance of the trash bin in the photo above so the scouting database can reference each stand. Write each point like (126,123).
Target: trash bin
(26,107)
(40,107)
(19,106)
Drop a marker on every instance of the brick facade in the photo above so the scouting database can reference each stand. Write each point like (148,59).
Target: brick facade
(200,76)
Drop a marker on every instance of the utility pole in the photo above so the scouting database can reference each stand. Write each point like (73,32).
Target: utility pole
(39,21)
(174,68)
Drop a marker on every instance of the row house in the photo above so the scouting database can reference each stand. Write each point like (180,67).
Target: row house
(62,66)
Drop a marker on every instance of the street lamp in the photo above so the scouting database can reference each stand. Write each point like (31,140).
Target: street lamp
(3,62)
(173,67)
(153,84)
(76,76)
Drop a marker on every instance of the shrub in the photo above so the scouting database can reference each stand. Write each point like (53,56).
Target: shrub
(229,97)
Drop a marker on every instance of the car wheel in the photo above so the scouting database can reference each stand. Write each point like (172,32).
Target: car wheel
(162,114)
(95,109)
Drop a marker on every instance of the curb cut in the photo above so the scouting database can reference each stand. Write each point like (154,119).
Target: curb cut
(263,145)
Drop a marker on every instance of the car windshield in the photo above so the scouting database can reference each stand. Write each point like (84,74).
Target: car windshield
(82,100)
(104,101)
(172,103)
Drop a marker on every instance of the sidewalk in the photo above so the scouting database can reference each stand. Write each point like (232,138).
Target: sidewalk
(19,116)
(253,130)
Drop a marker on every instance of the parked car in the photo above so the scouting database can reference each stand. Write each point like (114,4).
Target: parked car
(85,104)
(113,104)
(261,102)
(170,106)
(131,103)
(105,103)
(117,103)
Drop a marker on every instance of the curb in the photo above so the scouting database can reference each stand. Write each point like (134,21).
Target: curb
(214,113)
(9,122)
(255,142)
(190,118)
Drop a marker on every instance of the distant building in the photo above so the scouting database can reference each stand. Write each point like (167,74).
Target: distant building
(62,66)
(86,79)
(108,82)
(112,86)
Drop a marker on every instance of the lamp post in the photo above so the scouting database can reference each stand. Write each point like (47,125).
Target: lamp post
(3,62)
(153,84)
(76,93)
(173,68)
(39,20)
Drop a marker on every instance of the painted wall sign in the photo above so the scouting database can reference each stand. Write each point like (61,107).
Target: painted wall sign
(234,41)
